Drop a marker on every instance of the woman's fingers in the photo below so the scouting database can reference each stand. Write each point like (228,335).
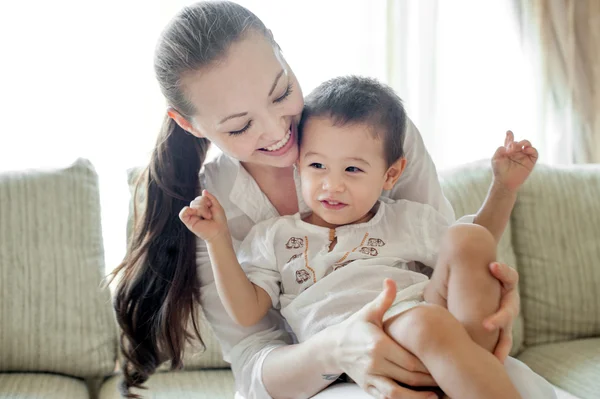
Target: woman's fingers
(373,311)
(385,388)
(406,375)
(506,275)
(504,344)
(498,320)
(399,356)
(506,314)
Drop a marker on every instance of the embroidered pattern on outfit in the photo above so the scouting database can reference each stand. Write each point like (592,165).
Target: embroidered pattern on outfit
(369,251)
(294,243)
(375,242)
(340,265)
(349,252)
(302,276)
(294,257)
(306,260)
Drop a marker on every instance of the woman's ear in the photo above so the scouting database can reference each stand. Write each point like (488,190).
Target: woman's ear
(393,173)
(183,122)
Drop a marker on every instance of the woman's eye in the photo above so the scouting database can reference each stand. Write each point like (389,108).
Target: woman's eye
(236,132)
(353,169)
(288,91)
(317,165)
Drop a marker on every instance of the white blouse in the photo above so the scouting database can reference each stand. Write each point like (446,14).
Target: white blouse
(245,205)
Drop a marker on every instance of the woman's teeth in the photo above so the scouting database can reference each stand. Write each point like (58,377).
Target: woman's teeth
(283,142)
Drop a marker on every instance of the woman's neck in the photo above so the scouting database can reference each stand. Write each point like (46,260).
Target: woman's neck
(277,184)
(267,172)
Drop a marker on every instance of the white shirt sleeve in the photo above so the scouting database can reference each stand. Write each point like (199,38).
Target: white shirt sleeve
(434,227)
(244,347)
(257,257)
(420,182)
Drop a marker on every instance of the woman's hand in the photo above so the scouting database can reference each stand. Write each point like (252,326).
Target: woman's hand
(505,317)
(374,360)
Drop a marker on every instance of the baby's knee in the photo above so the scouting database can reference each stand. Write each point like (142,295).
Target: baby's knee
(426,327)
(470,243)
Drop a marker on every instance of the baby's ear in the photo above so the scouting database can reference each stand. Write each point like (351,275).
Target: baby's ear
(393,173)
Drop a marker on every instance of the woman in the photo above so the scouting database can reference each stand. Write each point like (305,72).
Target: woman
(226,82)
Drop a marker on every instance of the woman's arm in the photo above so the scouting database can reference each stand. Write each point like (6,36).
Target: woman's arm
(358,347)
(266,365)
(420,182)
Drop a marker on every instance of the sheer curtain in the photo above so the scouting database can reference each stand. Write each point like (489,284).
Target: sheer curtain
(563,40)
(77,79)
(461,70)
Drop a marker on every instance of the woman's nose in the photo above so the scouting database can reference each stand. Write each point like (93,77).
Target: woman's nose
(274,129)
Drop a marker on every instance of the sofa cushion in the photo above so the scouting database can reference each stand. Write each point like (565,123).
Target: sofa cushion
(207,384)
(54,316)
(573,366)
(556,225)
(41,386)
(466,188)
(195,356)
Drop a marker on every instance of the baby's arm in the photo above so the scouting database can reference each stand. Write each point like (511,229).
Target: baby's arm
(244,301)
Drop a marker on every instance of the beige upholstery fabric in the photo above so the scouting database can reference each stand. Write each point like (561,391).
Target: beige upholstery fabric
(208,384)
(573,366)
(41,386)
(195,356)
(466,188)
(556,225)
(53,315)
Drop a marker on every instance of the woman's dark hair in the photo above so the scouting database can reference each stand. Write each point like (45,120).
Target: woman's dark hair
(157,293)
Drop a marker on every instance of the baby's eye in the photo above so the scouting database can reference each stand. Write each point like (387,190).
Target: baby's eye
(317,165)
(353,169)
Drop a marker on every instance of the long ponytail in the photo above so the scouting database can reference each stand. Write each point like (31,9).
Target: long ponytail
(157,292)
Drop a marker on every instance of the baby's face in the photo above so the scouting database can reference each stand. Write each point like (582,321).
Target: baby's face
(342,169)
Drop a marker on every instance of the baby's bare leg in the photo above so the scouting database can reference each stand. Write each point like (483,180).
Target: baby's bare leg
(460,367)
(462,282)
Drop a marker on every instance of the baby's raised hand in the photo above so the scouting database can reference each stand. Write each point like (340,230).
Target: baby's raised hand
(512,163)
(205,217)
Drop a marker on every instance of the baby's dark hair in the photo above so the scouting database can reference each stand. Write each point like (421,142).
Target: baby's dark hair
(355,99)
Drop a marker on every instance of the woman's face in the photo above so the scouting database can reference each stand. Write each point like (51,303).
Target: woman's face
(248,104)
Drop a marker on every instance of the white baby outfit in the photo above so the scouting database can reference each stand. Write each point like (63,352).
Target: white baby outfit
(315,287)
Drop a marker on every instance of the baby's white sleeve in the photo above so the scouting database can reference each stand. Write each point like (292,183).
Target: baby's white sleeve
(257,257)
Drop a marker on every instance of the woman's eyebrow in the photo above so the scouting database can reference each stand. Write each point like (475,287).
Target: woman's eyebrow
(270,92)
(276,80)
(233,116)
